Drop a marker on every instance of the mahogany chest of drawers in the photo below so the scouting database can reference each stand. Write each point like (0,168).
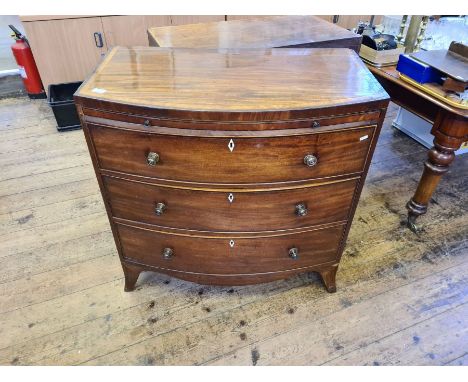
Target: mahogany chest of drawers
(230,168)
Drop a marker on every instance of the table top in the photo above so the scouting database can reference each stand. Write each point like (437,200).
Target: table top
(232,81)
(391,74)
(261,33)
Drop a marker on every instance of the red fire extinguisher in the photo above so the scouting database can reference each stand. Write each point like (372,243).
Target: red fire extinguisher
(27,66)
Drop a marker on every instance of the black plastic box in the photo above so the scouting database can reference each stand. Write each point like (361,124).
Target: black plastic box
(60,99)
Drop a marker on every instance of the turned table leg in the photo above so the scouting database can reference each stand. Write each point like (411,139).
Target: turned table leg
(438,163)
(328,276)
(449,131)
(131,274)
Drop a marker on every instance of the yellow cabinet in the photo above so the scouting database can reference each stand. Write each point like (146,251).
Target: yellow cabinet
(183,19)
(68,48)
(130,30)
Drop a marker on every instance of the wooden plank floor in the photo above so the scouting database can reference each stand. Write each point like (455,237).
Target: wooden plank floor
(401,300)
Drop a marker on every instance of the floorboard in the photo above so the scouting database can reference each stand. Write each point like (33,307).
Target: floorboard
(422,343)
(61,285)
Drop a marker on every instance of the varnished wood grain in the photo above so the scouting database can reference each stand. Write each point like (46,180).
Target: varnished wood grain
(212,211)
(253,160)
(421,103)
(244,81)
(257,32)
(450,130)
(192,156)
(215,257)
(323,117)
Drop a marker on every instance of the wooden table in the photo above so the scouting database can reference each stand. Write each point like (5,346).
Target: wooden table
(450,130)
(261,33)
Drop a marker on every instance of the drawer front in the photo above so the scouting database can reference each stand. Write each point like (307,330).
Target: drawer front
(229,256)
(232,160)
(225,211)
(137,122)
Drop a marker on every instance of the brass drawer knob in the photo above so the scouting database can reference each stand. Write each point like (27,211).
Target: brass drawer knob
(152,158)
(167,253)
(294,253)
(159,209)
(301,209)
(310,160)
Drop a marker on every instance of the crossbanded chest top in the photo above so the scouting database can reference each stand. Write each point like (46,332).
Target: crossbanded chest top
(231,167)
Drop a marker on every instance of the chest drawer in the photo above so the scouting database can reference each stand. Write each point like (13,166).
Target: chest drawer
(133,121)
(225,211)
(230,255)
(232,160)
